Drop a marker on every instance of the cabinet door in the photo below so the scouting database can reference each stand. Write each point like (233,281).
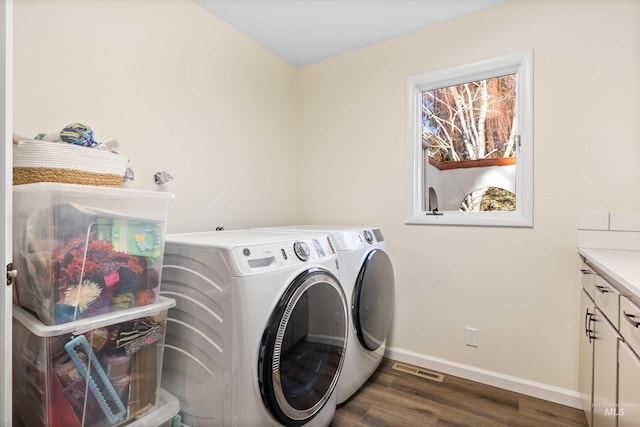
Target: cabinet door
(585,379)
(628,390)
(605,372)
(629,323)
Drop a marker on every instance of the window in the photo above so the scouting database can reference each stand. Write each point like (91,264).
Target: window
(470,144)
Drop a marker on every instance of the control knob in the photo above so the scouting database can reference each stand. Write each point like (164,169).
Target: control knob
(301,250)
(368,236)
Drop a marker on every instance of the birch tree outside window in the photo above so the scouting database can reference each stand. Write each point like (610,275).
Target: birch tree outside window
(470,144)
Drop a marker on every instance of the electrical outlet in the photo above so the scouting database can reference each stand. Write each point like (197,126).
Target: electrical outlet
(471,337)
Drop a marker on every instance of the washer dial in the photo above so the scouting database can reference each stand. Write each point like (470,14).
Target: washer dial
(301,250)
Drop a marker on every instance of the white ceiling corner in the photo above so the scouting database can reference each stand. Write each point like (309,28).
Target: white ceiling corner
(307,31)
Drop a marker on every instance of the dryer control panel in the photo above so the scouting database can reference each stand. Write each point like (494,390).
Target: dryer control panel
(354,239)
(265,257)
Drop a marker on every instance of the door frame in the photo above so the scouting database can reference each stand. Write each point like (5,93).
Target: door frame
(6,124)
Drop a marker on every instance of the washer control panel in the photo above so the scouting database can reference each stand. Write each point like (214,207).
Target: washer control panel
(272,256)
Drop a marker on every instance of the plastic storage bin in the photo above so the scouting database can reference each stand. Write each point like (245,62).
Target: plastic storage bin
(165,415)
(101,371)
(82,251)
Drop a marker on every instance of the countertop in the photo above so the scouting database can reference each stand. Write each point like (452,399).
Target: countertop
(622,266)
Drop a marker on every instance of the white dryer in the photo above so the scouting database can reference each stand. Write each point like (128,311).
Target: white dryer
(366,274)
(259,330)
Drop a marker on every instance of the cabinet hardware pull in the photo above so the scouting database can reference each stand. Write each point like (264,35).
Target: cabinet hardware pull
(586,322)
(602,289)
(588,318)
(585,271)
(630,318)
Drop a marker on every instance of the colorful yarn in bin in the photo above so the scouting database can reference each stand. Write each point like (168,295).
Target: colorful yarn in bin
(78,134)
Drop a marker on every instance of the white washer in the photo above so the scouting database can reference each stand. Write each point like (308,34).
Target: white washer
(366,274)
(259,330)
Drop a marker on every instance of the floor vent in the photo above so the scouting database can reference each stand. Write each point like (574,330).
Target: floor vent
(419,372)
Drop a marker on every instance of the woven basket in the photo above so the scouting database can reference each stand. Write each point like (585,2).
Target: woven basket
(42,161)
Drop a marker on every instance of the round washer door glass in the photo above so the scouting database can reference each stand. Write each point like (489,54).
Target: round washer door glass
(372,302)
(303,347)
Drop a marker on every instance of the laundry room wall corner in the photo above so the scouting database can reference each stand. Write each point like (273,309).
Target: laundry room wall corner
(181,90)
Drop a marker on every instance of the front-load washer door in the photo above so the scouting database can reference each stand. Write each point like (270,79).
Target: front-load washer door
(303,347)
(373,299)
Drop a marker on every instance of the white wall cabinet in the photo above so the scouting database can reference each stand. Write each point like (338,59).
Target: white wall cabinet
(609,368)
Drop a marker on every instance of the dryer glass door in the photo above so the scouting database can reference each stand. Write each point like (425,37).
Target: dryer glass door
(303,347)
(372,300)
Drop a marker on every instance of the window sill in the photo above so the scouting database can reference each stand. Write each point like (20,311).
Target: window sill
(489,219)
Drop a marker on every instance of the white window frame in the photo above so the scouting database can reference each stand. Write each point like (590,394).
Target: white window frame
(520,63)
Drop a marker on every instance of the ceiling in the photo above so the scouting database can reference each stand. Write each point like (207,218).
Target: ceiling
(307,31)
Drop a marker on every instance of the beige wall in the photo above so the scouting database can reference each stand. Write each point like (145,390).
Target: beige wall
(251,141)
(181,91)
(519,287)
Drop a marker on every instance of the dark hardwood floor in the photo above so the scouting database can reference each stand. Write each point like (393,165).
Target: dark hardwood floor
(394,398)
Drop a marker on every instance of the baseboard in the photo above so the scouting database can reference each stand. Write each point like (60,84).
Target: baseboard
(519,385)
